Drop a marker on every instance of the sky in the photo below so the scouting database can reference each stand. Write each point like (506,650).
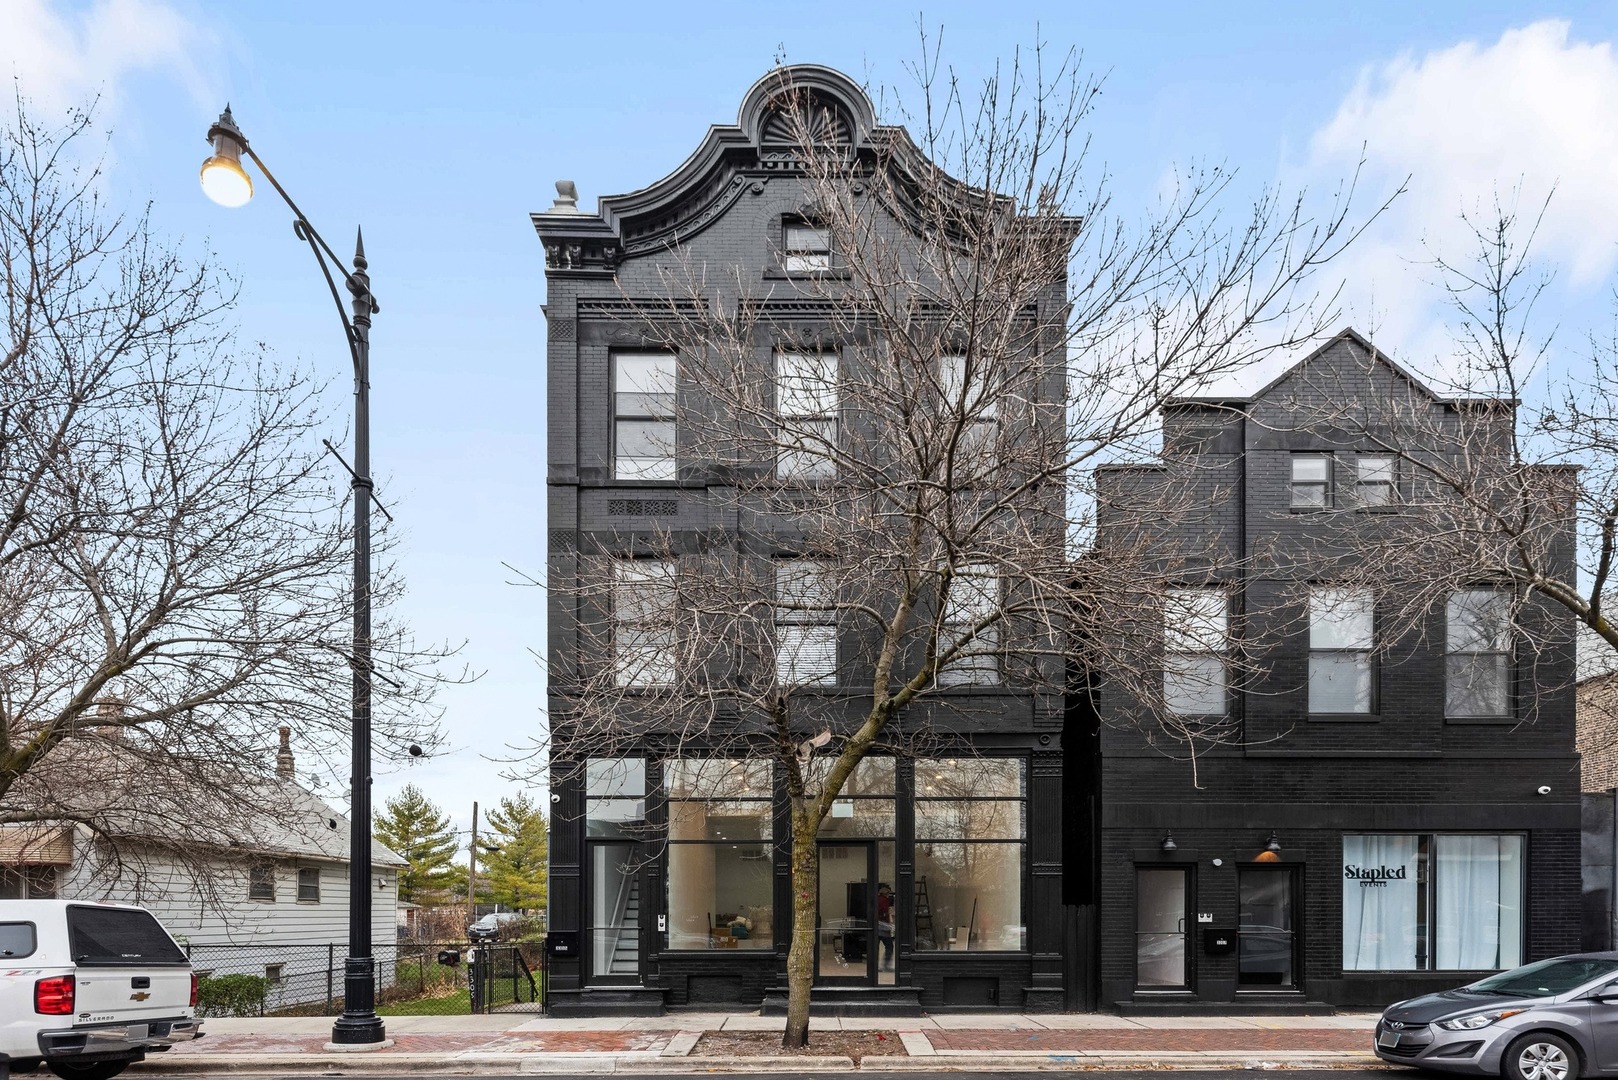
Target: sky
(439,127)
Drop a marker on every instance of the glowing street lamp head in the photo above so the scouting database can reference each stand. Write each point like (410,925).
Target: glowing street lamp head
(223,178)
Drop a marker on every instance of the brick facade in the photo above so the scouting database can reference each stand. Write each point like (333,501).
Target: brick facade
(1307,780)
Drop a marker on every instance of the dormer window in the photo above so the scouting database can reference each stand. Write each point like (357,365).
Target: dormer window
(805,248)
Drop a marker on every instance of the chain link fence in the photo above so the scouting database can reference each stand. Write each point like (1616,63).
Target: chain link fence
(412,978)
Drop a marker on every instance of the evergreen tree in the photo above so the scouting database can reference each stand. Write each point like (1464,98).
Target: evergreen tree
(513,856)
(412,826)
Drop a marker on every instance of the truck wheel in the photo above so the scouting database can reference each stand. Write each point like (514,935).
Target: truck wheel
(88,1070)
(1541,1056)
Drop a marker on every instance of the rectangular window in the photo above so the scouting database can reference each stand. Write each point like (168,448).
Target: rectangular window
(1433,902)
(643,610)
(261,883)
(28,883)
(1311,481)
(865,807)
(1161,928)
(974,595)
(971,828)
(40,882)
(972,407)
(308,884)
(806,248)
(273,974)
(1477,664)
(1342,676)
(806,401)
(615,796)
(721,877)
(17,939)
(805,623)
(643,416)
(1375,481)
(119,937)
(1195,635)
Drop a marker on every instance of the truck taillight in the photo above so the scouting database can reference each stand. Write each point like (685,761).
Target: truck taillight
(54,996)
(193,989)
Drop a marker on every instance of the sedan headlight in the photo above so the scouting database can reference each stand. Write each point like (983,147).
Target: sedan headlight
(1476,1020)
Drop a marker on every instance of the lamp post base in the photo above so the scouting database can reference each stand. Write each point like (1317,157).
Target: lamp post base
(355,1048)
(359,1028)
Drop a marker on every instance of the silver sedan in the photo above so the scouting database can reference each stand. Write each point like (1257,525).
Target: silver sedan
(1555,1019)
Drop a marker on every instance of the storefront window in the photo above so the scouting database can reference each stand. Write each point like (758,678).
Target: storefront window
(1432,902)
(865,806)
(970,828)
(720,876)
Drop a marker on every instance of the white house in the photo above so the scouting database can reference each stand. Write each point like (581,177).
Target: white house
(274,905)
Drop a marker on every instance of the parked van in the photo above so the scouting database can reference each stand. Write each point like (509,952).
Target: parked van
(88,988)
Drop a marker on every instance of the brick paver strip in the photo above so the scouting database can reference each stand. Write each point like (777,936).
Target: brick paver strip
(491,1042)
(1192,1039)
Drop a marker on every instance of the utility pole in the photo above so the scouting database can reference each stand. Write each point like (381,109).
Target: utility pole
(472,872)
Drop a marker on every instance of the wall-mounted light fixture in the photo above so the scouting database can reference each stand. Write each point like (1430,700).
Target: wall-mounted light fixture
(1168,842)
(1274,843)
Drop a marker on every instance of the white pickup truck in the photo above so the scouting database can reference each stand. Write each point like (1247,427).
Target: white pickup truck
(88,988)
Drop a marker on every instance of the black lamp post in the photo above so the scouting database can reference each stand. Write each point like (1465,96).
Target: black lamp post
(227,183)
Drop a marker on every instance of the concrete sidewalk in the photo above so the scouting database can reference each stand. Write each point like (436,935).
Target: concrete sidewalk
(675,1043)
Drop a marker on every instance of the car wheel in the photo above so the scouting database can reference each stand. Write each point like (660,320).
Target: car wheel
(1541,1056)
(88,1070)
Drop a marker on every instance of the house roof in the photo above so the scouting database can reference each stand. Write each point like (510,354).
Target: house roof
(1347,334)
(315,830)
(140,796)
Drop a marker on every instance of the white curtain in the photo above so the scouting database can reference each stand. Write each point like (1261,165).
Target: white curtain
(1479,902)
(1379,920)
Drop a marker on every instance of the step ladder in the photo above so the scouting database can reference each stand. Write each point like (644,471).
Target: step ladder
(924,918)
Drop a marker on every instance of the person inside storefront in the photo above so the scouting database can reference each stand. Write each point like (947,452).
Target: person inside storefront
(884,923)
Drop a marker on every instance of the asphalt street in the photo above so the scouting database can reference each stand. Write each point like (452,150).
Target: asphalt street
(1046,1074)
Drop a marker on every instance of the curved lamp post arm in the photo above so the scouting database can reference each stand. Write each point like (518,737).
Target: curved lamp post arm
(226,182)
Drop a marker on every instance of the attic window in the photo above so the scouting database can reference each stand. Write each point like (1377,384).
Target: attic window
(805,248)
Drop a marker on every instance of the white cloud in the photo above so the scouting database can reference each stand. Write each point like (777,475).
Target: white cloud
(1531,112)
(62,58)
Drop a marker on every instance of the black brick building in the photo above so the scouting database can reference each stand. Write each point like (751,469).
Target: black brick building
(1365,831)
(1388,817)
(655,914)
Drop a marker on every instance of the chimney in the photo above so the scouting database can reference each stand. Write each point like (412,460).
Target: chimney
(283,756)
(109,719)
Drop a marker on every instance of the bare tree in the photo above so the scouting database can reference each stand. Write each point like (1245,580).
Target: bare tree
(174,565)
(897,442)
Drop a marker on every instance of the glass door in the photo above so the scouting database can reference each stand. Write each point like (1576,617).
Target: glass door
(1160,929)
(845,926)
(1266,941)
(614,908)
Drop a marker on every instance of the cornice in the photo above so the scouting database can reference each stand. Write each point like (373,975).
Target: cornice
(734,160)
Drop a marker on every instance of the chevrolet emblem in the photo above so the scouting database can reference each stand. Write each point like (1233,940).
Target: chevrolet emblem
(139,995)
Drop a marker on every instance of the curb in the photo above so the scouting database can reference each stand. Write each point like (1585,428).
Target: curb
(652,1062)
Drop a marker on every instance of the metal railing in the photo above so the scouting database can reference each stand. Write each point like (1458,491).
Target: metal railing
(412,978)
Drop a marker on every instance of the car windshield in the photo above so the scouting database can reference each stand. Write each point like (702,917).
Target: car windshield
(1547,978)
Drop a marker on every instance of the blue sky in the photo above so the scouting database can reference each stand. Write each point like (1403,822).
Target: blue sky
(440,126)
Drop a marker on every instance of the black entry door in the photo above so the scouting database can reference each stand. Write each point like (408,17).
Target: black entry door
(1267,939)
(845,925)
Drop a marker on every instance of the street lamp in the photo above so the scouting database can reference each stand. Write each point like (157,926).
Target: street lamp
(227,183)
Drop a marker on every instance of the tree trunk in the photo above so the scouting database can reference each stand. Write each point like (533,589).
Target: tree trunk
(801,956)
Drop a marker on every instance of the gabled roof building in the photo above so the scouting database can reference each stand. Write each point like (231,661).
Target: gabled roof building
(1372,818)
